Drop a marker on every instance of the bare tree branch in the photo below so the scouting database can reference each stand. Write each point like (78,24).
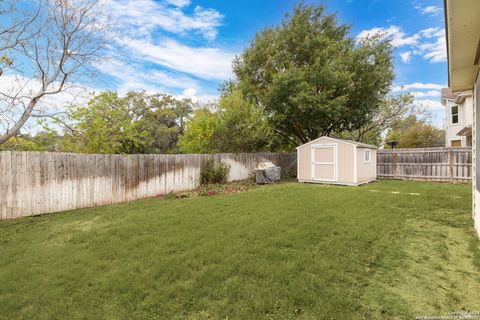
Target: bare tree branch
(58,40)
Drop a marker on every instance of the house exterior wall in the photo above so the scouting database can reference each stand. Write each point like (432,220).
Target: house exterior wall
(476,156)
(366,171)
(462,26)
(465,111)
(469,110)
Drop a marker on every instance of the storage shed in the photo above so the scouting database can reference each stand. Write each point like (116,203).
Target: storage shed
(336,161)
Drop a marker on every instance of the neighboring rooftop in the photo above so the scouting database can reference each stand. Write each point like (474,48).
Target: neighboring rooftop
(447,93)
(458,97)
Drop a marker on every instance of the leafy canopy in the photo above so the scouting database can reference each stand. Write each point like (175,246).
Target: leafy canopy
(233,125)
(310,78)
(200,131)
(411,132)
(136,123)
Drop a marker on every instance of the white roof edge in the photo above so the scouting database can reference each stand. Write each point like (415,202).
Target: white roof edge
(338,140)
(353,143)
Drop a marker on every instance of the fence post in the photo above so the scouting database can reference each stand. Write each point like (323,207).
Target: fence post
(394,164)
(450,163)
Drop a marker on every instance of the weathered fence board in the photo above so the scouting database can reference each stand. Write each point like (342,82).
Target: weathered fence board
(33,183)
(436,164)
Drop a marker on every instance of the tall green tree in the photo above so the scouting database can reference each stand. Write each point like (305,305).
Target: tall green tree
(104,125)
(390,113)
(311,78)
(242,127)
(161,118)
(234,124)
(199,136)
(135,123)
(42,141)
(411,132)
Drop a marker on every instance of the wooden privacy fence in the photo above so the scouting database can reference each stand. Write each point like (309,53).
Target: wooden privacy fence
(33,183)
(435,164)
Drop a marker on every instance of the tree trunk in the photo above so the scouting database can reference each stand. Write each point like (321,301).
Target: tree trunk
(19,124)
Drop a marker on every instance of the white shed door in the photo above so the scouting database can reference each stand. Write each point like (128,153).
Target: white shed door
(324,162)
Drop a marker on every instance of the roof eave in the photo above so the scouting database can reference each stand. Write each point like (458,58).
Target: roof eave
(445,16)
(460,73)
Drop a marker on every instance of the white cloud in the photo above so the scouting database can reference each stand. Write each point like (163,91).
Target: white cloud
(10,110)
(145,16)
(424,94)
(431,111)
(394,33)
(148,57)
(429,104)
(420,43)
(131,77)
(28,87)
(406,56)
(429,10)
(179,3)
(205,63)
(192,94)
(418,85)
(435,52)
(432,32)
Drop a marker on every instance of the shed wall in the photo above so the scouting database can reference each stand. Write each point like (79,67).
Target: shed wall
(345,163)
(344,160)
(305,158)
(366,171)
(304,162)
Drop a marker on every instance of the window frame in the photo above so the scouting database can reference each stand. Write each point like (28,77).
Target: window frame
(452,114)
(365,152)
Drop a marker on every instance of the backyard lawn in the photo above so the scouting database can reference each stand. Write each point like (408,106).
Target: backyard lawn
(388,250)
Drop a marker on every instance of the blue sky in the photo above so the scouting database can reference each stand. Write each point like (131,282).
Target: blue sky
(185,47)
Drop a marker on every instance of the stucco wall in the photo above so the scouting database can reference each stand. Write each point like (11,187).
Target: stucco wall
(366,171)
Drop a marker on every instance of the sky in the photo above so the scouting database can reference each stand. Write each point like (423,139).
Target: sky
(186,47)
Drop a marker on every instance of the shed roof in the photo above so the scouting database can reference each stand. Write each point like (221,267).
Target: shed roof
(356,143)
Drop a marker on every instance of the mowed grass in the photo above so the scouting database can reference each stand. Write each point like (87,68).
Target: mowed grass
(388,250)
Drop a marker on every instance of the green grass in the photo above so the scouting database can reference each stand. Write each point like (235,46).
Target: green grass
(287,251)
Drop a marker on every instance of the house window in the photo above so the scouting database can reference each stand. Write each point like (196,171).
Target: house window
(367,155)
(454,114)
(456,143)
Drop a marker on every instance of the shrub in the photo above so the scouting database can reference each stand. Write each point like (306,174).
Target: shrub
(170,195)
(222,189)
(214,173)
